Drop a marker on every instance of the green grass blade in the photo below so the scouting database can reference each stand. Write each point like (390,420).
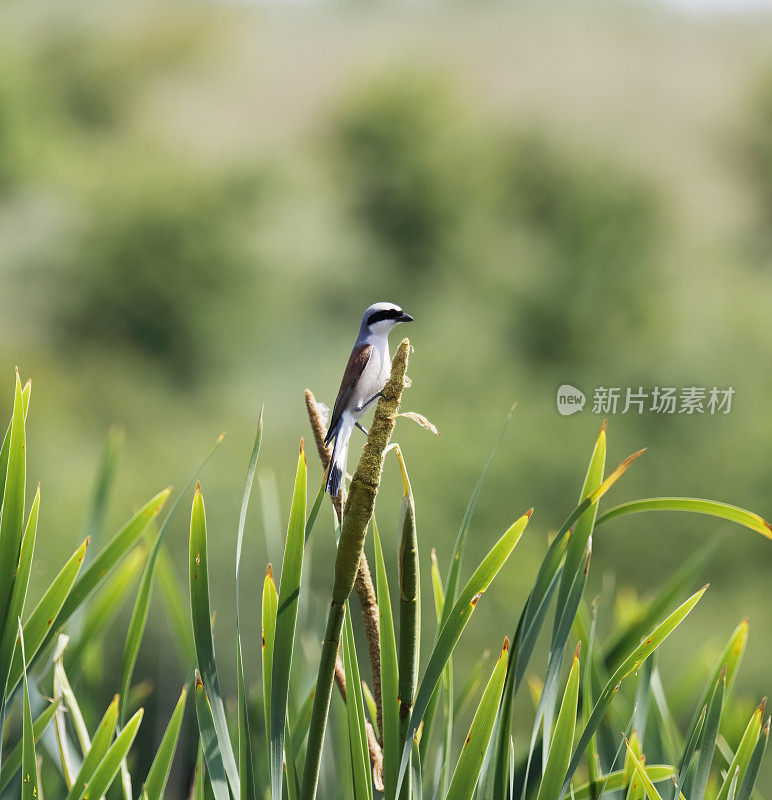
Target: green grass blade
(141,608)
(628,665)
(467,771)
(202,634)
(696,506)
(100,744)
(314,512)
(199,778)
(210,743)
(246,774)
(614,781)
(110,555)
(292,786)
(744,751)
(570,589)
(302,722)
(752,772)
(6,446)
(286,617)
(29,767)
(41,619)
(593,763)
(19,593)
(137,625)
(454,572)
(643,776)
(689,750)
(652,612)
(728,662)
(155,783)
(472,683)
(12,516)
(707,743)
(416,778)
(389,674)
(669,734)
(529,626)
(176,603)
(106,604)
(577,543)
(269,609)
(103,485)
(733,785)
(66,701)
(12,762)
(565,617)
(533,615)
(409,607)
(371,706)
(355,713)
(110,765)
(431,709)
(559,751)
(456,622)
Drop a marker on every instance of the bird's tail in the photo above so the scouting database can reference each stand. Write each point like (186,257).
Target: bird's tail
(338,461)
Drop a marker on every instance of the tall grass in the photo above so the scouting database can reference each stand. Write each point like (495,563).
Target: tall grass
(602,723)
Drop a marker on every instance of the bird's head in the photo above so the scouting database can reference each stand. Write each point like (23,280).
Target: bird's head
(380,318)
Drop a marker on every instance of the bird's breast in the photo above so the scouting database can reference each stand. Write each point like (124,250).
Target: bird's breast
(373,378)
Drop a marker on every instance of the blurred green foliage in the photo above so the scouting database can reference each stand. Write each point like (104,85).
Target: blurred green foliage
(399,158)
(597,229)
(153,254)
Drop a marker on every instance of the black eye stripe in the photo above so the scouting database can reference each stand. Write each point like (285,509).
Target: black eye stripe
(380,316)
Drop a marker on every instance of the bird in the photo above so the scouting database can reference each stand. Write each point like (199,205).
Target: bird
(366,373)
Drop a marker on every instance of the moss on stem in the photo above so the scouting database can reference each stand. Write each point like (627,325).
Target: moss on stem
(356,518)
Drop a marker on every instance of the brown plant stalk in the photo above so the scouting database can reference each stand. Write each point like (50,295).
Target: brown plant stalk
(363,585)
(357,513)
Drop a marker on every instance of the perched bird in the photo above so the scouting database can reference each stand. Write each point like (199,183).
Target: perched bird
(366,374)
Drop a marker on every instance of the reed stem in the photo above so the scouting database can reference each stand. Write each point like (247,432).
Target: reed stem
(356,518)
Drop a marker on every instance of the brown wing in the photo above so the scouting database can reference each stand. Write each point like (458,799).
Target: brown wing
(356,364)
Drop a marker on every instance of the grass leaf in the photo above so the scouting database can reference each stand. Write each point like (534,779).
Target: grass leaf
(696,506)
(559,751)
(12,762)
(269,608)
(651,790)
(451,583)
(246,774)
(455,623)
(110,765)
(707,743)
(110,555)
(744,751)
(631,663)
(41,620)
(29,767)
(155,783)
(389,675)
(355,713)
(100,744)
(467,771)
(286,617)
(18,594)
(202,634)
(210,744)
(12,516)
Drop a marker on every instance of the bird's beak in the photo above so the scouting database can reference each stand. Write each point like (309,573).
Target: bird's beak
(404,318)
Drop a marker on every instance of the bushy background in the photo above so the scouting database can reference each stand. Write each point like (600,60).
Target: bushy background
(197,201)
